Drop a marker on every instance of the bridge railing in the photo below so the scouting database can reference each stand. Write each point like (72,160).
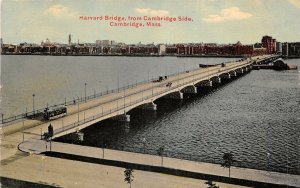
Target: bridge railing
(32,114)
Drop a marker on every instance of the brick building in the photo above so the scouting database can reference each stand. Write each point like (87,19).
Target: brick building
(269,43)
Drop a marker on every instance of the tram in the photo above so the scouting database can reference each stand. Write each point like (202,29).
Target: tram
(55,112)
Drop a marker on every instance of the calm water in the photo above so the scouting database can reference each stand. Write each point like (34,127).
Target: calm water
(251,116)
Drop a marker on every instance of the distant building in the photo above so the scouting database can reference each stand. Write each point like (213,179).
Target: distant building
(269,43)
(294,49)
(113,43)
(257,45)
(1,44)
(161,49)
(291,49)
(70,40)
(279,47)
(285,49)
(258,49)
(105,42)
(98,42)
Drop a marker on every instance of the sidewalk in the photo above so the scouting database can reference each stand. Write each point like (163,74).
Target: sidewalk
(38,146)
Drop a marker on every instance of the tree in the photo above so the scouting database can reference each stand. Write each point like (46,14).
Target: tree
(103,145)
(128,176)
(160,152)
(211,184)
(227,161)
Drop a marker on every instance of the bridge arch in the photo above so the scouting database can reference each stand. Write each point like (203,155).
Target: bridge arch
(189,89)
(204,83)
(216,79)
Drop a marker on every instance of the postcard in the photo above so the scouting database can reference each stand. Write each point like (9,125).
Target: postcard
(150,93)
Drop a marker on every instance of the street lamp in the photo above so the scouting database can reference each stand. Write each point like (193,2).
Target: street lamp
(23,129)
(268,160)
(78,109)
(144,143)
(85,91)
(118,83)
(124,100)
(33,95)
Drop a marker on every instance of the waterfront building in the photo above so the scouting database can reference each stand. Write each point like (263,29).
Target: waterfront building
(269,43)
(291,49)
(106,42)
(268,46)
(70,40)
(279,47)
(161,49)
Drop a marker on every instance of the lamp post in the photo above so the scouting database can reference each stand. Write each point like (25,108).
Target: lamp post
(33,95)
(23,129)
(2,115)
(78,109)
(124,100)
(85,91)
(118,83)
(152,85)
(144,143)
(268,160)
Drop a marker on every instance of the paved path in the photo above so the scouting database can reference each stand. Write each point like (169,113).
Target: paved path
(38,146)
(76,174)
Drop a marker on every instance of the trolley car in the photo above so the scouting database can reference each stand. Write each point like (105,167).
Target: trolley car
(55,112)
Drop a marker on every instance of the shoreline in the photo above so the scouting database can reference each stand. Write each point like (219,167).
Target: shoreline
(148,55)
(134,55)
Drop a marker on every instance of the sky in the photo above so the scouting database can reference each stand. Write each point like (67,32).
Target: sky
(216,21)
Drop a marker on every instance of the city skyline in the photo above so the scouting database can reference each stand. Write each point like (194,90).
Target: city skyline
(213,21)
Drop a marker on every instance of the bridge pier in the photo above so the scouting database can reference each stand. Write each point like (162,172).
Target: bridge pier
(226,76)
(122,117)
(189,89)
(233,74)
(240,71)
(216,80)
(245,69)
(249,67)
(149,106)
(174,95)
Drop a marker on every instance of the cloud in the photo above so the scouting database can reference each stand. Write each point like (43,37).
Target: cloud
(232,13)
(152,12)
(296,3)
(60,11)
(22,0)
